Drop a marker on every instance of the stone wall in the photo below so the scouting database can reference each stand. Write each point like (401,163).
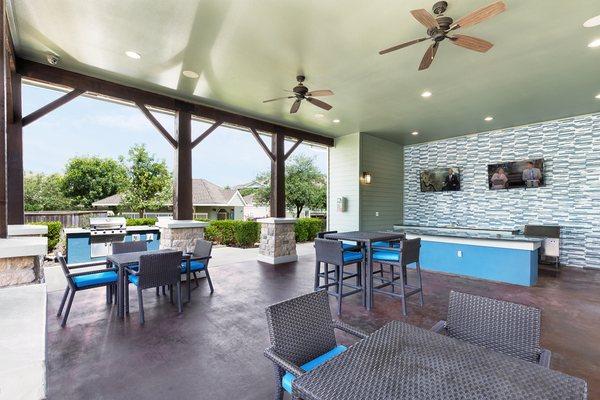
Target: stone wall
(19,270)
(277,241)
(183,239)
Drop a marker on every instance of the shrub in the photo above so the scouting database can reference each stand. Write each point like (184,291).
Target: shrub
(141,221)
(54,230)
(247,233)
(233,232)
(306,229)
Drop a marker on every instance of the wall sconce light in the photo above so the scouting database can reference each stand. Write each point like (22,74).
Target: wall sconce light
(366,178)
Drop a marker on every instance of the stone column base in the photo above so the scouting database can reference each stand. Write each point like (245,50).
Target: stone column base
(277,241)
(20,260)
(180,235)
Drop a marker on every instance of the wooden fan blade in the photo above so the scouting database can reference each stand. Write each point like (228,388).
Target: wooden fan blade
(480,15)
(428,57)
(278,98)
(471,43)
(425,17)
(319,103)
(295,107)
(403,45)
(317,93)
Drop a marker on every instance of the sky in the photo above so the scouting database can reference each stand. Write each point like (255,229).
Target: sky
(91,127)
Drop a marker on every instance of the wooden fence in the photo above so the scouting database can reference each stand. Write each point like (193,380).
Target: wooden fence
(68,219)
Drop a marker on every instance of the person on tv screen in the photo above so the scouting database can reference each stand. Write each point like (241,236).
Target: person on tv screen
(452,181)
(531,175)
(499,179)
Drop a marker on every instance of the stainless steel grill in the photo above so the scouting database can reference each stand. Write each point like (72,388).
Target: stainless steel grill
(105,231)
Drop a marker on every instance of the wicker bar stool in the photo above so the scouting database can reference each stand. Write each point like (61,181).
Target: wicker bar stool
(398,257)
(331,252)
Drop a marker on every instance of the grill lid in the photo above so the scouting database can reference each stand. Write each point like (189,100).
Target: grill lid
(107,223)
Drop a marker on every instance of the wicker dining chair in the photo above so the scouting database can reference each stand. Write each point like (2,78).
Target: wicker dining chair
(301,332)
(199,259)
(510,328)
(129,247)
(154,270)
(76,281)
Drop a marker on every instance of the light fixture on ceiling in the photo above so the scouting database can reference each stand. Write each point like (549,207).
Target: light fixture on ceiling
(426,94)
(336,121)
(190,74)
(319,115)
(594,43)
(366,178)
(594,21)
(488,118)
(414,133)
(598,96)
(133,54)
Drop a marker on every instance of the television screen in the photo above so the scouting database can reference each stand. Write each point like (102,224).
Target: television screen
(516,174)
(440,179)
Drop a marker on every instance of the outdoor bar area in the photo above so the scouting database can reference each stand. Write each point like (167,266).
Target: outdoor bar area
(453,244)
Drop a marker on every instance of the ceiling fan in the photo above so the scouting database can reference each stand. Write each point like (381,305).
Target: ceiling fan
(301,92)
(440,28)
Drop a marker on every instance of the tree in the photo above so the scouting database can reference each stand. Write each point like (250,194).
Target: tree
(150,184)
(88,179)
(43,193)
(305,186)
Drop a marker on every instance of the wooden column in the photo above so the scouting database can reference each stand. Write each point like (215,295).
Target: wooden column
(182,196)
(278,176)
(14,156)
(3,74)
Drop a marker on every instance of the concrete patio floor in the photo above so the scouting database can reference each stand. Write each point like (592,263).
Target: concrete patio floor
(214,349)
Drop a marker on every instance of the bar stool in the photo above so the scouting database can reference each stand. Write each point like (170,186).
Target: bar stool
(399,257)
(331,252)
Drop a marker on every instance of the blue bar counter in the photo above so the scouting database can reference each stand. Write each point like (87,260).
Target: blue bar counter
(496,255)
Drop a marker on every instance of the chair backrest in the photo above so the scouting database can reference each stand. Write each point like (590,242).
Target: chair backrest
(411,249)
(159,269)
(202,249)
(64,267)
(129,247)
(301,329)
(321,235)
(506,327)
(329,251)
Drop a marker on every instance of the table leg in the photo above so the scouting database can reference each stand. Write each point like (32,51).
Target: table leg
(369,276)
(189,280)
(120,312)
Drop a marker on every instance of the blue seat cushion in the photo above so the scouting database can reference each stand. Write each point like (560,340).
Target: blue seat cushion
(352,256)
(286,381)
(95,279)
(134,279)
(382,255)
(195,265)
(348,245)
(386,244)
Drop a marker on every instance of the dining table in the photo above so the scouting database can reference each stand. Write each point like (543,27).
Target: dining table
(402,361)
(366,239)
(124,260)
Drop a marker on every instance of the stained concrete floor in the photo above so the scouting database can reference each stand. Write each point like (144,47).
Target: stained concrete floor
(214,349)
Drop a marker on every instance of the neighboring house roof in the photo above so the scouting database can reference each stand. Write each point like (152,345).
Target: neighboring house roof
(204,193)
(251,185)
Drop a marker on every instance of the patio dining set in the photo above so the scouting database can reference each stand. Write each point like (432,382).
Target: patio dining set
(132,263)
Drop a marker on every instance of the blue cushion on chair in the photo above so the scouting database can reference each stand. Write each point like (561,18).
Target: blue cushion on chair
(95,279)
(382,255)
(349,245)
(286,381)
(352,256)
(195,265)
(134,279)
(386,244)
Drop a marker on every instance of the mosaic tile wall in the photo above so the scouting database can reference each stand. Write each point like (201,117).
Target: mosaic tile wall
(571,151)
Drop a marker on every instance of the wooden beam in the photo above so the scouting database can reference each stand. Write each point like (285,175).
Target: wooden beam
(183,208)
(291,150)
(161,129)
(14,155)
(58,76)
(206,133)
(277,200)
(39,113)
(3,69)
(262,144)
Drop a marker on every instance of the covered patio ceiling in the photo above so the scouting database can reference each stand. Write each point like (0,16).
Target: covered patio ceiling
(540,67)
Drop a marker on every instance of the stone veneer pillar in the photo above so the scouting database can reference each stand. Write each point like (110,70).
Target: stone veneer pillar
(277,240)
(180,235)
(21,255)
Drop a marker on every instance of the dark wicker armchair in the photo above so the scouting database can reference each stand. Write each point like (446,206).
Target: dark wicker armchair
(302,337)
(129,247)
(509,328)
(198,261)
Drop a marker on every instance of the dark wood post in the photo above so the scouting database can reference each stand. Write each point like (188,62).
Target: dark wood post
(3,74)
(182,196)
(278,175)
(14,155)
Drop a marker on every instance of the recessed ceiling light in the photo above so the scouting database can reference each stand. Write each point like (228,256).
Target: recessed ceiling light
(598,96)
(336,121)
(488,118)
(319,115)
(594,21)
(190,74)
(594,43)
(414,133)
(133,54)
(426,94)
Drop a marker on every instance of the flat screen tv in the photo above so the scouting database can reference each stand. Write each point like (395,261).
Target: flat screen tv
(440,180)
(516,174)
